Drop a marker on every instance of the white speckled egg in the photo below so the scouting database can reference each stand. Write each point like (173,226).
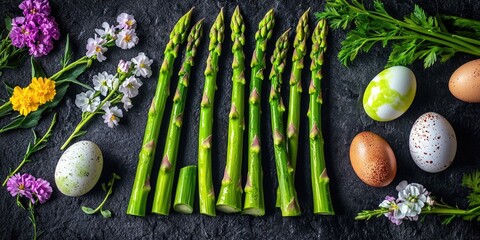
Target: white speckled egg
(433,143)
(390,93)
(79,168)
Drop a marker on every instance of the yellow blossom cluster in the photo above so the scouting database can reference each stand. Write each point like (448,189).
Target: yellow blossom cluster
(28,99)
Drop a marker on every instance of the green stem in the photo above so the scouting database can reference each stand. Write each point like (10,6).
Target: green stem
(70,66)
(31,211)
(295,94)
(185,195)
(141,185)
(230,197)
(166,174)
(322,203)
(288,196)
(254,195)
(205,183)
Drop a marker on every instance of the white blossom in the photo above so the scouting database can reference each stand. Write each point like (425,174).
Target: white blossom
(87,101)
(126,39)
(112,116)
(124,66)
(130,87)
(95,48)
(126,21)
(142,65)
(101,82)
(106,31)
(127,103)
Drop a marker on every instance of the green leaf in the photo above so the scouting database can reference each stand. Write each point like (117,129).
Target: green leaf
(74,81)
(80,133)
(67,56)
(106,213)
(8,89)
(88,210)
(8,23)
(104,187)
(72,73)
(37,70)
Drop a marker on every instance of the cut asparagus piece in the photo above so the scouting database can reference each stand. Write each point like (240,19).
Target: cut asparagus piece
(141,185)
(166,174)
(230,197)
(185,193)
(254,196)
(322,203)
(294,100)
(205,184)
(288,196)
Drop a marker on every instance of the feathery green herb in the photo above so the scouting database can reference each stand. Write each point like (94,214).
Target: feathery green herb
(417,37)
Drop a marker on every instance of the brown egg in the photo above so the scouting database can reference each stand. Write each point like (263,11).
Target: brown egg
(464,83)
(372,159)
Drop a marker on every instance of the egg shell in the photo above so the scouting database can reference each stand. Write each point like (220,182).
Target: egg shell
(390,93)
(79,168)
(464,83)
(373,159)
(432,143)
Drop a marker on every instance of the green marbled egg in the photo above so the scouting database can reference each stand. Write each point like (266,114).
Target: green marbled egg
(390,93)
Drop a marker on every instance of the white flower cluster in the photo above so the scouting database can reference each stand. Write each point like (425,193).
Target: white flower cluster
(118,88)
(409,204)
(122,34)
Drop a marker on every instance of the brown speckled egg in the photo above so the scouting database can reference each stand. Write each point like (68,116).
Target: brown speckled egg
(464,83)
(373,159)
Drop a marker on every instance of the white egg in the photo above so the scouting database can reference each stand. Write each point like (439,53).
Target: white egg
(79,168)
(433,143)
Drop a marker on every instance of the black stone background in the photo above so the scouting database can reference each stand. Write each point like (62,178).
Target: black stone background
(343,117)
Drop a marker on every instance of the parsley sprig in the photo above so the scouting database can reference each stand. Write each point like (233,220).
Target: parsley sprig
(417,36)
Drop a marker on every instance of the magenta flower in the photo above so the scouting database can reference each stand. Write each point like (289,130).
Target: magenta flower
(27,186)
(21,185)
(33,7)
(42,190)
(36,30)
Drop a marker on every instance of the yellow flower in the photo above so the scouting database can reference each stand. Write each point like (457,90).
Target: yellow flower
(23,100)
(44,89)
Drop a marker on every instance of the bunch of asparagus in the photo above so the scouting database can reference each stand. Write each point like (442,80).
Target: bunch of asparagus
(285,139)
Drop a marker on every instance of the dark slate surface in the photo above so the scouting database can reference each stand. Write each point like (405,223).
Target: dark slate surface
(61,217)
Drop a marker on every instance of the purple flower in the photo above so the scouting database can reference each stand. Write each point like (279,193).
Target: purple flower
(42,190)
(18,33)
(33,7)
(95,47)
(36,30)
(21,185)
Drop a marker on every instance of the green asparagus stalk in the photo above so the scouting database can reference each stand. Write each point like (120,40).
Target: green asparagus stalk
(163,189)
(141,185)
(205,184)
(230,197)
(294,101)
(254,198)
(322,203)
(288,196)
(185,194)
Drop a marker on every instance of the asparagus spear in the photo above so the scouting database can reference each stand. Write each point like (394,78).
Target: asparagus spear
(288,197)
(163,190)
(322,203)
(230,197)
(205,184)
(293,119)
(254,199)
(185,194)
(141,185)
